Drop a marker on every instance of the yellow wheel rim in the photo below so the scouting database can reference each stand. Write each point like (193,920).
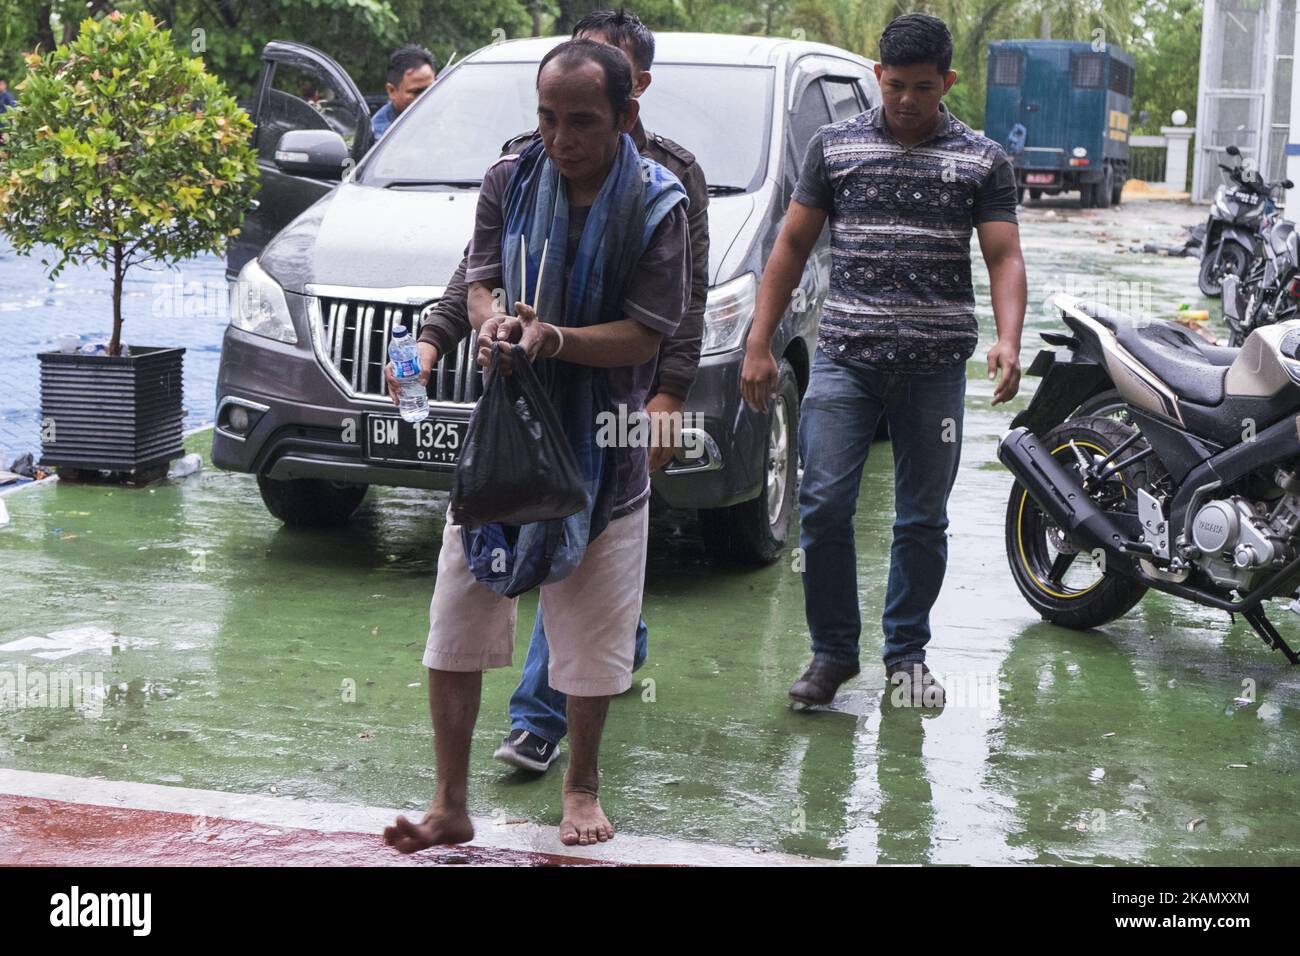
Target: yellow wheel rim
(1020,543)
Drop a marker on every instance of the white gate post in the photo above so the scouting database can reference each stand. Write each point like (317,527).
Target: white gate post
(1177,147)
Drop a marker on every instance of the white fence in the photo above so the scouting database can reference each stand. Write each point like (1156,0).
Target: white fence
(1146,161)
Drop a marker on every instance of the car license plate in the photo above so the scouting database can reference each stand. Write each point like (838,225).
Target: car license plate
(1040,179)
(432,441)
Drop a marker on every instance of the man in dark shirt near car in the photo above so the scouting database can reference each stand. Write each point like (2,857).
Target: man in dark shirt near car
(903,185)
(411,71)
(537,712)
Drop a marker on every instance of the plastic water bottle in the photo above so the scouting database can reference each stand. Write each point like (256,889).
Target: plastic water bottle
(413,400)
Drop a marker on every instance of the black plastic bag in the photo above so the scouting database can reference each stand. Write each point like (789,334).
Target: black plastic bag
(517,466)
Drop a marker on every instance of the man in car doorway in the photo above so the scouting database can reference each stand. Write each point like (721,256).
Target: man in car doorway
(537,711)
(903,185)
(411,71)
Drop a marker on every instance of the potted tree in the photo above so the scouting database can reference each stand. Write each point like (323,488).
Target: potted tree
(122,150)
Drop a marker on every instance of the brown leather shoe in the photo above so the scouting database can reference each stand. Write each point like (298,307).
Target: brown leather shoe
(912,685)
(820,681)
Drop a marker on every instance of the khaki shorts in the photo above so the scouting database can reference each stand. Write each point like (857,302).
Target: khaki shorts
(591,616)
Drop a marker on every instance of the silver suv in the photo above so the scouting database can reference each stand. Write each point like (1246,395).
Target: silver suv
(349,240)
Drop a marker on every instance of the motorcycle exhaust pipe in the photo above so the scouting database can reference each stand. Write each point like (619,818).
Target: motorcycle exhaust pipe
(1058,493)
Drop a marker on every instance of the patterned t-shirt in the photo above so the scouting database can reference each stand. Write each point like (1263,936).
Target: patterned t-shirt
(901,220)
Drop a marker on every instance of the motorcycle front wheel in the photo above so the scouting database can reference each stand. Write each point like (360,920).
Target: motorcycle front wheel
(1067,584)
(1232,260)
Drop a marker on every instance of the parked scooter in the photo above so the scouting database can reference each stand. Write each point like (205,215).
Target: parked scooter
(1241,211)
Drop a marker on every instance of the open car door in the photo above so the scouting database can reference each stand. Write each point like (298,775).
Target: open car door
(300,89)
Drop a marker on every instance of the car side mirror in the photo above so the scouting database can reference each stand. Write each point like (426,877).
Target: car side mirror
(319,153)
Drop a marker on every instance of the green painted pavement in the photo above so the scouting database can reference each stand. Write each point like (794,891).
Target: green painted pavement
(238,640)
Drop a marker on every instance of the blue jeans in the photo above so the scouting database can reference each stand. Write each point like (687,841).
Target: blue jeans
(534,706)
(839,417)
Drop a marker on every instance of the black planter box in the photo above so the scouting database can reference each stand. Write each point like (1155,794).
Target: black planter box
(112,413)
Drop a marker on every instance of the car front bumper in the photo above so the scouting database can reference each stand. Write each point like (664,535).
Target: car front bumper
(301,425)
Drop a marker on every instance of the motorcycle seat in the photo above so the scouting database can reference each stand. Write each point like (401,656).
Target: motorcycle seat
(1193,369)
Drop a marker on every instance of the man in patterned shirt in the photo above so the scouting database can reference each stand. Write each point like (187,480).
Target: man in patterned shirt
(904,185)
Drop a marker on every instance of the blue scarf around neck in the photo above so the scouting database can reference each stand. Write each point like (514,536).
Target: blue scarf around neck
(635,197)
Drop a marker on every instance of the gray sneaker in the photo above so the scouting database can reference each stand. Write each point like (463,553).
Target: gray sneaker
(527,751)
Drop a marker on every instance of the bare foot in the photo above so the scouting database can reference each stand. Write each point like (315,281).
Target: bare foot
(438,827)
(584,822)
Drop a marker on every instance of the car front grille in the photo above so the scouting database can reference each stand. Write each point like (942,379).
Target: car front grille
(353,336)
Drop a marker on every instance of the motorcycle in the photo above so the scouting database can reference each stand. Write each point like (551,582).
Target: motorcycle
(1270,291)
(1192,489)
(1241,211)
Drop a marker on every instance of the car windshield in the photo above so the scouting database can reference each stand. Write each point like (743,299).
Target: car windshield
(460,125)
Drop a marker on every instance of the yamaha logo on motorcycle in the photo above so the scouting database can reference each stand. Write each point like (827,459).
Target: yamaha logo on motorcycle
(1150,459)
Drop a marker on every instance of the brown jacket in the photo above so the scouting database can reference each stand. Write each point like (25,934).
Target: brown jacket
(679,354)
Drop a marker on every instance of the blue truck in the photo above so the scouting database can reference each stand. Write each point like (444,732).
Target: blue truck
(1061,110)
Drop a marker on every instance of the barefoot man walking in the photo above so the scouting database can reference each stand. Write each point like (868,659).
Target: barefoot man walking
(617,280)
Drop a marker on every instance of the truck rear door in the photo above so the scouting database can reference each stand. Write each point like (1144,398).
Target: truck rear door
(1045,109)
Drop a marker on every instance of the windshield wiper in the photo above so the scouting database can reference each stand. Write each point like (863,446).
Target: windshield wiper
(716,190)
(458,183)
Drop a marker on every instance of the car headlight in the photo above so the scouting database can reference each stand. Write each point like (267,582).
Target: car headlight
(257,305)
(727,312)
